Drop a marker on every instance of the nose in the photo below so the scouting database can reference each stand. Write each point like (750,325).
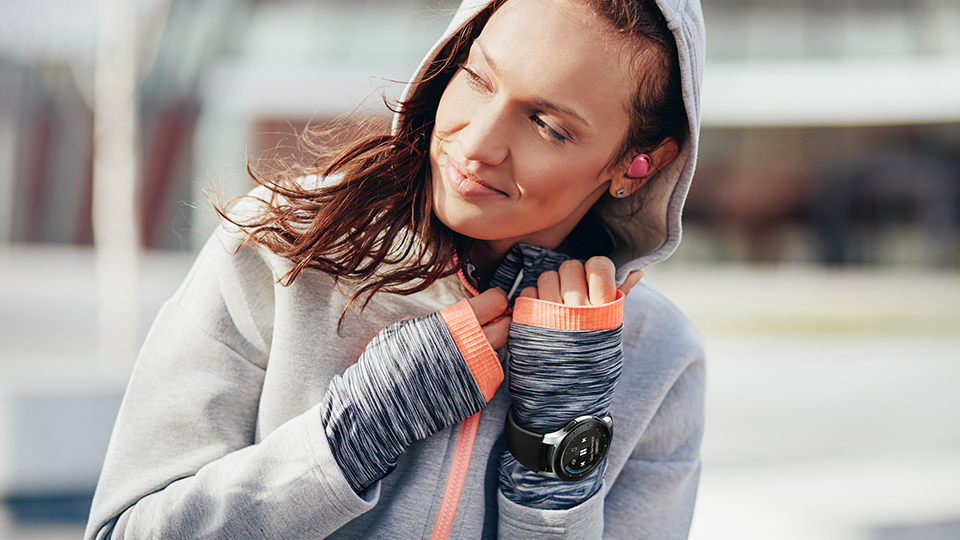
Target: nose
(484,138)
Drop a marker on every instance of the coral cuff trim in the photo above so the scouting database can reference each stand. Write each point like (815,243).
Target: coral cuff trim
(476,350)
(535,312)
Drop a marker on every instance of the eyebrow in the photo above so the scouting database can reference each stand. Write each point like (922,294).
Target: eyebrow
(538,101)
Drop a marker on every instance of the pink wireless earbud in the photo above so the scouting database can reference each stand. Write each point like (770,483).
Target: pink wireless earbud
(639,166)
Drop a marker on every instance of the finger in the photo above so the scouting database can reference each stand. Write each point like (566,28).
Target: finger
(548,287)
(601,280)
(488,305)
(497,332)
(529,292)
(573,283)
(631,280)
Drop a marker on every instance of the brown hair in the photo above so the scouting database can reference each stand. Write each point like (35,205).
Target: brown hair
(380,213)
(657,111)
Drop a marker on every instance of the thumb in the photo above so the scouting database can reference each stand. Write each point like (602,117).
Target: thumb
(488,305)
(632,279)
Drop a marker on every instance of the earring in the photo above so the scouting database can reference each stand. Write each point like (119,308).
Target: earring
(621,192)
(639,166)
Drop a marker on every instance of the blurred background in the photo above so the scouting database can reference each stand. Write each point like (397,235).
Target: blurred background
(821,252)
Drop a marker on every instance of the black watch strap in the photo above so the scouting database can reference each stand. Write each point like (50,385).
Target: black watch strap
(526,447)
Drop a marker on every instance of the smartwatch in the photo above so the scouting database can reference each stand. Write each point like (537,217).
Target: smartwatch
(570,453)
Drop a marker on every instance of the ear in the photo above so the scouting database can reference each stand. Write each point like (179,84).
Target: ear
(660,157)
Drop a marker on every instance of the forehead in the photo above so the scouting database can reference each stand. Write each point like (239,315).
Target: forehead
(564,51)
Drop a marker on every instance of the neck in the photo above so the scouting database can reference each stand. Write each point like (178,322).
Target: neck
(487,255)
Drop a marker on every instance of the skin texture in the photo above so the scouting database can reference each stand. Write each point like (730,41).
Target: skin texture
(488,306)
(523,144)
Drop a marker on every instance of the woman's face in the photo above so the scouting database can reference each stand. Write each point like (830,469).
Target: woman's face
(526,129)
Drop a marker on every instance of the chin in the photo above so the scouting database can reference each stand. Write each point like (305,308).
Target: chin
(465,227)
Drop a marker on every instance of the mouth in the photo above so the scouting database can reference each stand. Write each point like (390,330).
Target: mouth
(467,184)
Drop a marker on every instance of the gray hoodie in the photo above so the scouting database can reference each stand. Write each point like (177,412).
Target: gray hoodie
(222,433)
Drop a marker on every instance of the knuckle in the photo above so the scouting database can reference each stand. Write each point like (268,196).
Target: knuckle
(498,294)
(599,263)
(571,265)
(548,276)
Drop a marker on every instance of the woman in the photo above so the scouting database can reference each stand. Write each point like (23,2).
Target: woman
(328,368)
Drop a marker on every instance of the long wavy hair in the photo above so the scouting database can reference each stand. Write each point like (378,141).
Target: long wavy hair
(375,226)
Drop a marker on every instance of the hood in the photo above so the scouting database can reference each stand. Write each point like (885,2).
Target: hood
(652,234)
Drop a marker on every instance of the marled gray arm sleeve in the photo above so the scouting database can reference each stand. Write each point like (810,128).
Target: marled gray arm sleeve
(556,375)
(410,382)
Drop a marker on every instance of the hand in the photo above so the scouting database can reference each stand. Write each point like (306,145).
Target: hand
(557,374)
(489,307)
(576,284)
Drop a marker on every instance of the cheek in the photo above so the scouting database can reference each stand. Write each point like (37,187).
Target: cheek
(551,177)
(561,185)
(457,104)
(443,123)
(447,109)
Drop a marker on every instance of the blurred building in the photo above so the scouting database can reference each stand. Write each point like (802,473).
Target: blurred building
(830,128)
(831,133)
(221,80)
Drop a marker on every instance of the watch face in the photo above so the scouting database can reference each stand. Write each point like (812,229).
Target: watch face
(582,450)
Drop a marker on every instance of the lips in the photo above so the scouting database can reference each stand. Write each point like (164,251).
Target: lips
(467,184)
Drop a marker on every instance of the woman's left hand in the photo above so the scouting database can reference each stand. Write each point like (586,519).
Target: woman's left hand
(559,373)
(577,284)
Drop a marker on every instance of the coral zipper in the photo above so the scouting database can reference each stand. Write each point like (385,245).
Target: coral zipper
(456,478)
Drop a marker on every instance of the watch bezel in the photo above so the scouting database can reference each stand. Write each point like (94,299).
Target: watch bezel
(558,441)
(539,453)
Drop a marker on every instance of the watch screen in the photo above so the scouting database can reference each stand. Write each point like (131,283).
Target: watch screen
(582,450)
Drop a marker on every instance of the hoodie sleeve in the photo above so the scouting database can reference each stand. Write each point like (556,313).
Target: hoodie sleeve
(183,460)
(652,477)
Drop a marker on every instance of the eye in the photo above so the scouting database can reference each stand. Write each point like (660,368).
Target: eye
(474,78)
(547,129)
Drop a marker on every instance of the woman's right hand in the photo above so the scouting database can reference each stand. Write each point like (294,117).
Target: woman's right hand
(489,308)
(412,380)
